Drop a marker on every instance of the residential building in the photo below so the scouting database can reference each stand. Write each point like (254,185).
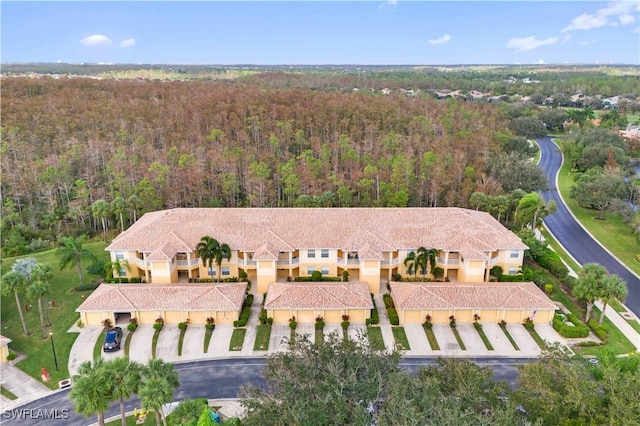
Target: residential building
(279,244)
(4,348)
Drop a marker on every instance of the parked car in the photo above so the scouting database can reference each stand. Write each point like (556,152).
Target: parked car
(112,340)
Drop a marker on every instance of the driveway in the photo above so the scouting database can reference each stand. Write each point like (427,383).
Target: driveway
(120,352)
(140,346)
(333,327)
(193,343)
(501,345)
(167,348)
(471,339)
(357,332)
(571,234)
(279,337)
(220,340)
(417,340)
(82,349)
(446,339)
(528,346)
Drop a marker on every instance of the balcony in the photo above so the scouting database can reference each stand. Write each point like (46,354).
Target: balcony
(285,262)
(394,261)
(343,261)
(192,262)
(440,260)
(140,262)
(493,261)
(246,262)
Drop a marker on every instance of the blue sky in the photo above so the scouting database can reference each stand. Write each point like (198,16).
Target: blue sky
(331,32)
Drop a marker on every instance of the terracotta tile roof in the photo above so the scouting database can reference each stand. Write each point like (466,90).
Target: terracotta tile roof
(158,297)
(319,295)
(4,341)
(469,232)
(453,295)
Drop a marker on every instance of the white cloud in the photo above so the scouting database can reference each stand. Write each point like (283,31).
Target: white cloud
(388,3)
(566,38)
(442,40)
(614,14)
(130,42)
(540,61)
(96,40)
(524,44)
(588,42)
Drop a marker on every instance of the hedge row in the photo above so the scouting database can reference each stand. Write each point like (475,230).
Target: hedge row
(551,261)
(578,329)
(123,280)
(602,331)
(244,317)
(393,316)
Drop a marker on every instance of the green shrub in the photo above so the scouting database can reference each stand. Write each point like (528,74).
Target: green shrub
(452,321)
(311,279)
(236,323)
(316,276)
(158,326)
(577,330)
(345,324)
(388,300)
(601,331)
(209,326)
(497,271)
(396,277)
(135,280)
(367,321)
(183,325)
(511,278)
(502,324)
(528,324)
(96,268)
(345,276)
(393,316)
(477,325)
(548,288)
(263,317)
(319,324)
(80,324)
(375,318)
(243,275)
(293,324)
(133,325)
(248,301)
(11,356)
(269,321)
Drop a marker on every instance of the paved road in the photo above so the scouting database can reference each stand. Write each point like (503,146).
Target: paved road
(212,379)
(572,236)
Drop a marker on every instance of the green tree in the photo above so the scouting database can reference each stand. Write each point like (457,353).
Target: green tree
(615,288)
(532,208)
(426,260)
(410,263)
(125,376)
(479,201)
(597,188)
(333,383)
(39,288)
(157,389)
(529,127)
(92,390)
(188,412)
(101,210)
(13,282)
(70,252)
(119,207)
(590,285)
(211,251)
(115,267)
(205,418)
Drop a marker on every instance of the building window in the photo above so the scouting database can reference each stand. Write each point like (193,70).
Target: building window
(325,253)
(311,270)
(311,254)
(119,255)
(515,254)
(122,272)
(325,270)
(212,271)
(513,270)
(225,270)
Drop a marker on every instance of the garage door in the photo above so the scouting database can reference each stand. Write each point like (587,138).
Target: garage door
(543,316)
(489,315)
(464,315)
(306,317)
(439,317)
(332,316)
(174,317)
(413,317)
(281,316)
(199,317)
(147,317)
(513,316)
(95,318)
(226,317)
(356,316)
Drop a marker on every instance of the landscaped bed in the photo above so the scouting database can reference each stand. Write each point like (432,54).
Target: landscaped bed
(374,335)
(400,338)
(483,336)
(237,339)
(431,337)
(263,335)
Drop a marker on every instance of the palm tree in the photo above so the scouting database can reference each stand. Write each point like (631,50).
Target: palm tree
(39,288)
(161,381)
(155,393)
(425,258)
(134,204)
(100,210)
(126,378)
(614,288)
(119,206)
(116,267)
(92,390)
(70,251)
(532,208)
(210,251)
(589,285)
(13,282)
(410,262)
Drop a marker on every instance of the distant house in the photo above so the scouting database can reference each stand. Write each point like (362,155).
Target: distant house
(4,348)
(610,103)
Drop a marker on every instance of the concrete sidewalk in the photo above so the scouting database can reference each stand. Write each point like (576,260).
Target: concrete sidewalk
(19,383)
(622,324)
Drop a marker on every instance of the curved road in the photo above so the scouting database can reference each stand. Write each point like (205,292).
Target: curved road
(571,234)
(211,379)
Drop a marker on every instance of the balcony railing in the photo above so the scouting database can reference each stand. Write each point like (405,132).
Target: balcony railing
(394,261)
(246,262)
(140,262)
(285,262)
(343,261)
(440,260)
(192,262)
(493,261)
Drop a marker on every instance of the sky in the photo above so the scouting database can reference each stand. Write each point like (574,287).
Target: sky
(392,32)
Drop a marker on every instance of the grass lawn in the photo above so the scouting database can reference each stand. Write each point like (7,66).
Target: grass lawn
(375,338)
(617,306)
(237,338)
(458,338)
(181,341)
(401,338)
(611,232)
(207,338)
(513,342)
(484,337)
(7,393)
(617,341)
(63,316)
(154,343)
(635,324)
(319,336)
(263,336)
(558,249)
(97,347)
(539,340)
(431,338)
(150,420)
(127,343)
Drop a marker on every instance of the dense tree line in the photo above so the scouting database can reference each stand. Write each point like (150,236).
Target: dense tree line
(85,155)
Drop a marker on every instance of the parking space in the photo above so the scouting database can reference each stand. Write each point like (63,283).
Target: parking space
(193,343)
(471,339)
(445,337)
(357,332)
(306,330)
(333,328)
(523,339)
(140,346)
(167,348)
(280,334)
(417,340)
(220,340)
(82,349)
(499,341)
